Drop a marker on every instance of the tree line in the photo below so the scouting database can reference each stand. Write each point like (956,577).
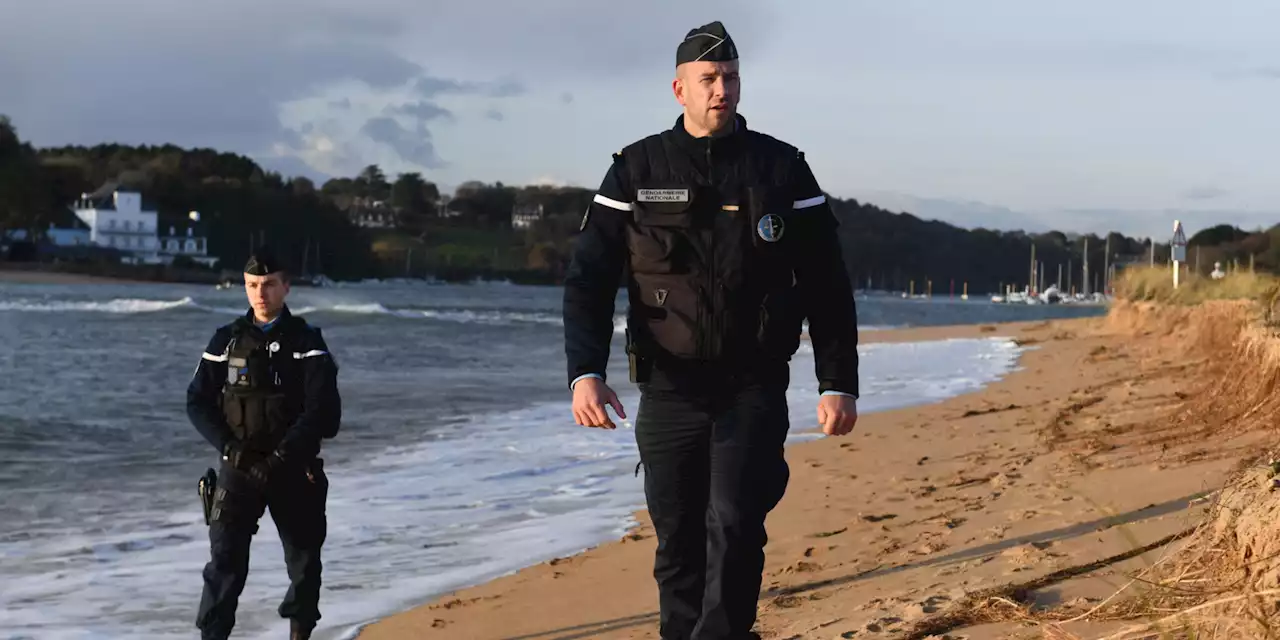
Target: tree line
(469,233)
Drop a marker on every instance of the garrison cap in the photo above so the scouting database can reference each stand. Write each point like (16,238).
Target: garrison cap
(262,262)
(710,43)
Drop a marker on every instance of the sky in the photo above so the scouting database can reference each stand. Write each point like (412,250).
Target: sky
(1082,116)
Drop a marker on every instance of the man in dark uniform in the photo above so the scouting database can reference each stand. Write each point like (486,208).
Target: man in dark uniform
(264,395)
(730,245)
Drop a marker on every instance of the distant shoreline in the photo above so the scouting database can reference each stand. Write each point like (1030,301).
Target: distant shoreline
(15,276)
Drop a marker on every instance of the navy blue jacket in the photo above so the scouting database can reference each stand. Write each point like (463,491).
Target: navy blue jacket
(604,256)
(309,376)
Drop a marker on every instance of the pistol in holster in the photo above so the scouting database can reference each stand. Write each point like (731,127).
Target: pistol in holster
(638,365)
(206,487)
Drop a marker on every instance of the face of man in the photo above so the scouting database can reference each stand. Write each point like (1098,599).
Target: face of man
(709,92)
(266,294)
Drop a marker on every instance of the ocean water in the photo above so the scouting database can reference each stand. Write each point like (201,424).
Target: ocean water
(458,459)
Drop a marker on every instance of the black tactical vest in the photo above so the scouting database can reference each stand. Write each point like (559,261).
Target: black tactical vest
(711,264)
(253,398)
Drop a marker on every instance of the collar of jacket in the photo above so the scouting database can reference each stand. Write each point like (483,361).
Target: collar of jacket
(279,321)
(716,143)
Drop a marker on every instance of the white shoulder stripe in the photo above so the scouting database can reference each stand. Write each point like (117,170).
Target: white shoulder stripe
(309,354)
(612,204)
(212,358)
(809,202)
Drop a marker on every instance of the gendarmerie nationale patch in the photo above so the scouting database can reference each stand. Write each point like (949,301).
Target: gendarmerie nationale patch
(662,195)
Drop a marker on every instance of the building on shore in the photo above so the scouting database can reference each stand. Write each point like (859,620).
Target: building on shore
(526,215)
(116,219)
(371,213)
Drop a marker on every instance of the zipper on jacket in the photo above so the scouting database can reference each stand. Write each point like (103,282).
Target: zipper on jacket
(713,291)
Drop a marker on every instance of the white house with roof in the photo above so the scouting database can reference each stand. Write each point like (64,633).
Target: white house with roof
(116,219)
(119,221)
(525,216)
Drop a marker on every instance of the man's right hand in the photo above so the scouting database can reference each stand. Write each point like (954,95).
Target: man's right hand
(590,395)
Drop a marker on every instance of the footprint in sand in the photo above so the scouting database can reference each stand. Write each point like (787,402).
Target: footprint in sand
(802,567)
(920,610)
(879,518)
(963,566)
(1030,556)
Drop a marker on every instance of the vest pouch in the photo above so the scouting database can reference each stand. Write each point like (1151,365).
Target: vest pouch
(233,411)
(257,419)
(658,236)
(669,312)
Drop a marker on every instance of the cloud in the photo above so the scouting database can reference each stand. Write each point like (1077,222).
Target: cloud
(1204,193)
(154,71)
(412,146)
(1266,72)
(136,72)
(432,87)
(422,110)
(566,98)
(494,114)
(222,85)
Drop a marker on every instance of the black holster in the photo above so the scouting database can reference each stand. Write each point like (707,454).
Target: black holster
(206,487)
(639,366)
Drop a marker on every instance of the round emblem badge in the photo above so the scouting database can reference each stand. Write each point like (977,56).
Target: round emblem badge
(274,347)
(770,228)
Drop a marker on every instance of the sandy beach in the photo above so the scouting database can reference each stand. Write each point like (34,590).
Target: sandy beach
(882,534)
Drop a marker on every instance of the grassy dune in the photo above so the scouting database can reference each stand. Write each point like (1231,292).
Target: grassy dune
(1155,284)
(1222,579)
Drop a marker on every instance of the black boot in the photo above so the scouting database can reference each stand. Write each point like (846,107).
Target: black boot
(300,630)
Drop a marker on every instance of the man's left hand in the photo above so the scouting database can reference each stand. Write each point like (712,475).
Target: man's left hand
(261,472)
(837,414)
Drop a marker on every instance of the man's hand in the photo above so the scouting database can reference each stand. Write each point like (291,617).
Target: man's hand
(590,396)
(837,414)
(261,472)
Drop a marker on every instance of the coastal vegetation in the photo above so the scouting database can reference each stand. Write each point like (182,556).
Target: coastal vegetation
(1155,284)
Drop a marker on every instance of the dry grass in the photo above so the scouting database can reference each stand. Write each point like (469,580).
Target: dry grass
(1222,581)
(1155,284)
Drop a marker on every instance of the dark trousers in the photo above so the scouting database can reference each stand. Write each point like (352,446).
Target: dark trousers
(711,443)
(296,496)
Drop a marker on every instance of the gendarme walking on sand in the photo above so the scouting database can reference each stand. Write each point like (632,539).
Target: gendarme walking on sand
(729,245)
